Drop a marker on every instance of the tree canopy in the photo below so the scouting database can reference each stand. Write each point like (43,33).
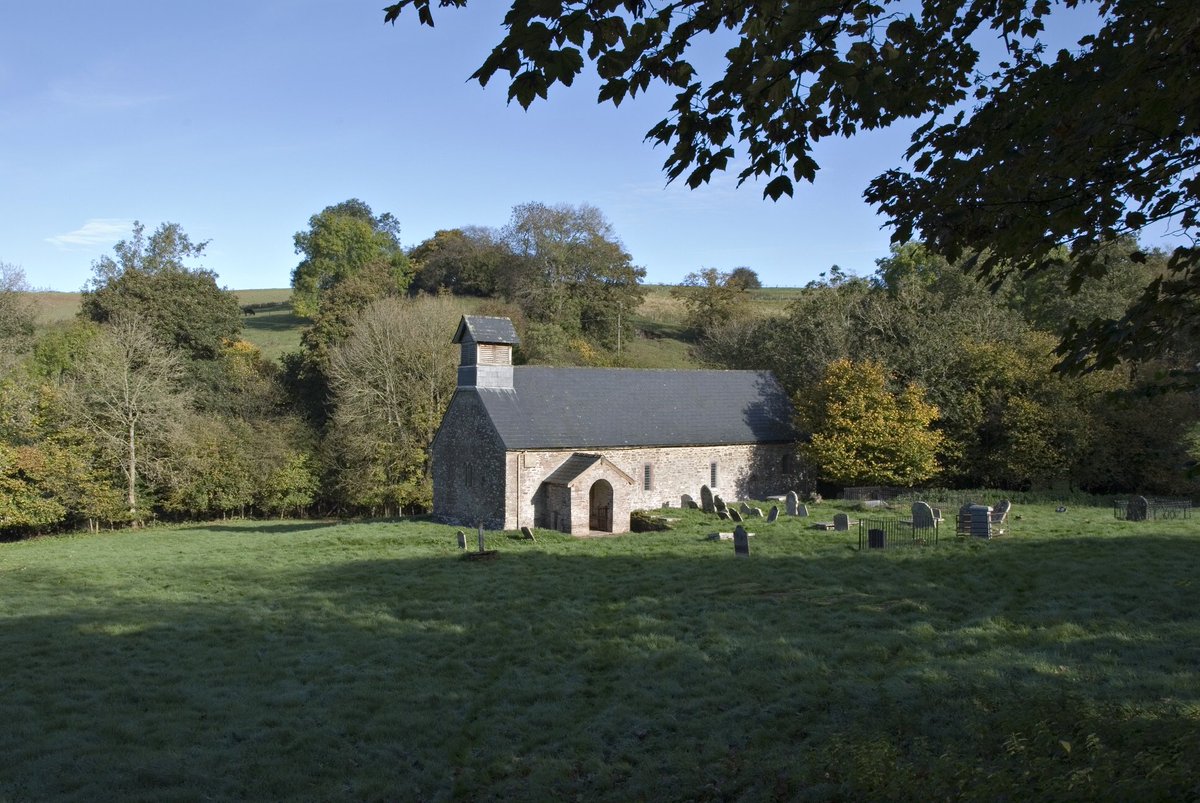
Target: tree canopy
(1010,161)
(341,241)
(151,278)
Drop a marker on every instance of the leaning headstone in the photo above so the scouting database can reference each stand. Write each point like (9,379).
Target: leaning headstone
(774,514)
(841,522)
(756,511)
(706,499)
(802,511)
(1138,509)
(792,501)
(687,502)
(723,513)
(528,533)
(462,540)
(733,514)
(745,509)
(741,542)
(718,502)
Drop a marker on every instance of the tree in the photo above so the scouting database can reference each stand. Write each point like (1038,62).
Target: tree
(711,297)
(572,270)
(391,381)
(341,241)
(473,260)
(16,315)
(1077,147)
(861,433)
(744,278)
(127,392)
(150,278)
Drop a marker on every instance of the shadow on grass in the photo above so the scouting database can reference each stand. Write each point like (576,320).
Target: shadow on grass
(1065,669)
(270,321)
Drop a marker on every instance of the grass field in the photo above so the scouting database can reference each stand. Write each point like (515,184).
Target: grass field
(323,661)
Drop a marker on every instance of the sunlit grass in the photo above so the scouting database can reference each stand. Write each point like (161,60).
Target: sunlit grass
(326,661)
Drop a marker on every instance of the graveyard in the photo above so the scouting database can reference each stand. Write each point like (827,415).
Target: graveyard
(326,660)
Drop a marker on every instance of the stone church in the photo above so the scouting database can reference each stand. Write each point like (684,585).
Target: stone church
(579,449)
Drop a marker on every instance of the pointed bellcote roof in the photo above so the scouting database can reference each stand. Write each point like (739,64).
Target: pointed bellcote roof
(484,329)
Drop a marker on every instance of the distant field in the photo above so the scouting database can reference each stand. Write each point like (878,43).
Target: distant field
(662,341)
(272,327)
(54,307)
(306,660)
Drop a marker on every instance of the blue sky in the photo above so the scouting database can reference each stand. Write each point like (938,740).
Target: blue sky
(240,120)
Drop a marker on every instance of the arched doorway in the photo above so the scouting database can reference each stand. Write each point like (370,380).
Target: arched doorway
(600,501)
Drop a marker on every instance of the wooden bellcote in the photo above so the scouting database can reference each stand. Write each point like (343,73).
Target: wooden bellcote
(486,355)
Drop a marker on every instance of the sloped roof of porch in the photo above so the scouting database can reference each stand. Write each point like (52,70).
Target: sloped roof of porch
(579,463)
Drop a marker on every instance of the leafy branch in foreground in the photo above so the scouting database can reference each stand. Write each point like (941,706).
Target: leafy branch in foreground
(1077,148)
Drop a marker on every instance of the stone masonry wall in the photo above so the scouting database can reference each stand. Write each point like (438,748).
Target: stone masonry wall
(746,471)
(468,466)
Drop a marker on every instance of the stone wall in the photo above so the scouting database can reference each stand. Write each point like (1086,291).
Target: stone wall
(468,466)
(745,471)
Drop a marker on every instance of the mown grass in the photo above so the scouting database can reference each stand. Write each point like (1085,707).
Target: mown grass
(368,661)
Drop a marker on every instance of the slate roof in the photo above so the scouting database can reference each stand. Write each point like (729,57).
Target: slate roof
(484,329)
(586,408)
(577,464)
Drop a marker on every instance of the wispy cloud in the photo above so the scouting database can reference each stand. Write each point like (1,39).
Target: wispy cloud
(96,232)
(101,100)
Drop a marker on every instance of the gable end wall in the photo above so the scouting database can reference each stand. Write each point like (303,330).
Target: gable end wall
(468,466)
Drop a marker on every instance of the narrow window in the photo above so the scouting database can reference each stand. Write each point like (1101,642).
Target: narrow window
(787,464)
(647,477)
(712,475)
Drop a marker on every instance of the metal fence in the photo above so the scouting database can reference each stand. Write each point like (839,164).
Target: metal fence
(1146,507)
(865,493)
(891,533)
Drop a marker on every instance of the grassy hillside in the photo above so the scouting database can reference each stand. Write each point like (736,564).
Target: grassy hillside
(322,661)
(661,342)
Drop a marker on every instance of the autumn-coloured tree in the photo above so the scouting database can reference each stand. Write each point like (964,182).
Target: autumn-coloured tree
(863,433)
(391,382)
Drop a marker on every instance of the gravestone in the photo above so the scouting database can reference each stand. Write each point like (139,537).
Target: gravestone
(528,533)
(756,511)
(745,509)
(723,514)
(792,501)
(802,511)
(687,502)
(875,539)
(482,554)
(733,514)
(741,542)
(774,514)
(718,502)
(462,540)
(706,499)
(841,522)
(1138,509)
(922,516)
